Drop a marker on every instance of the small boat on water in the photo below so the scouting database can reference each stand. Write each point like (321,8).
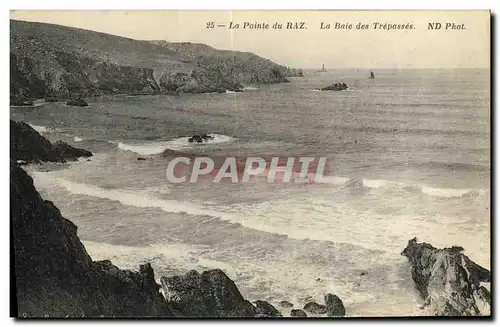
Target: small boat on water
(372,75)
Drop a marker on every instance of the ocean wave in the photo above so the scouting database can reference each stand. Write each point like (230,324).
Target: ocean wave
(300,220)
(182,143)
(78,139)
(359,183)
(428,190)
(130,197)
(451,193)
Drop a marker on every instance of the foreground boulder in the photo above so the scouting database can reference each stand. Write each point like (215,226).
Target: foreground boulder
(315,308)
(21,102)
(54,275)
(28,145)
(77,103)
(297,313)
(209,294)
(334,306)
(267,310)
(448,281)
(51,99)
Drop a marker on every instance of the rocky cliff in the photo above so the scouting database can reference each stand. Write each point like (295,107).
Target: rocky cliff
(60,61)
(209,294)
(28,145)
(243,67)
(448,281)
(55,276)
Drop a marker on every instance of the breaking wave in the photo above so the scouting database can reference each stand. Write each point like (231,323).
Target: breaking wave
(178,144)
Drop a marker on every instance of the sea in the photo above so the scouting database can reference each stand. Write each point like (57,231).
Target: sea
(411,149)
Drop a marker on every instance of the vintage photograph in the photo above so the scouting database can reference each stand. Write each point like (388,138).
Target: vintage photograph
(283,164)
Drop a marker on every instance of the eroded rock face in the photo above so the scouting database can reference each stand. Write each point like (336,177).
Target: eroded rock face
(209,294)
(55,276)
(28,145)
(67,151)
(297,313)
(334,306)
(448,280)
(315,308)
(200,80)
(267,310)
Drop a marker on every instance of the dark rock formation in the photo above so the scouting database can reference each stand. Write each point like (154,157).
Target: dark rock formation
(28,145)
(209,294)
(54,275)
(334,306)
(448,281)
(315,308)
(335,87)
(200,80)
(267,310)
(141,159)
(67,151)
(21,102)
(286,304)
(77,103)
(297,313)
(51,99)
(200,138)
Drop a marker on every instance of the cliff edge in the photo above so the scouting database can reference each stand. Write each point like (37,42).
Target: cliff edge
(448,280)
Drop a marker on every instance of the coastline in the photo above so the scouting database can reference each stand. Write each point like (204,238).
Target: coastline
(225,301)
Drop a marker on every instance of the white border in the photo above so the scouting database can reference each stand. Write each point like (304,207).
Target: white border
(186,5)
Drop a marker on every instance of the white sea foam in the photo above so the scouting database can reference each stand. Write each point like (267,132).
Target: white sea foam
(250,88)
(446,192)
(150,148)
(431,191)
(364,228)
(78,139)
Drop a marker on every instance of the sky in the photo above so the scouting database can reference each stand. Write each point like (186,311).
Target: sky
(305,48)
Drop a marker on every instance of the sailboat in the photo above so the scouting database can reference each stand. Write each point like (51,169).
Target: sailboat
(372,75)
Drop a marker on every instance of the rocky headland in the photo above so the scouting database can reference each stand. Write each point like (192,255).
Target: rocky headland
(28,146)
(448,281)
(59,62)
